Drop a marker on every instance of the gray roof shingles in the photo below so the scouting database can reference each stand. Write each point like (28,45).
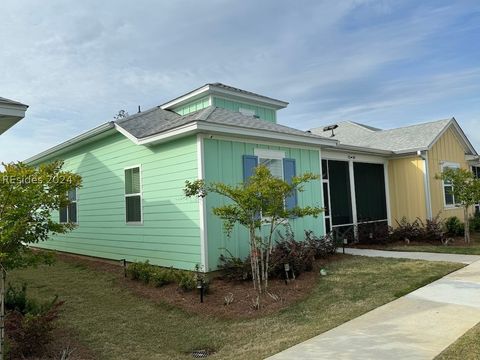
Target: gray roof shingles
(157,120)
(396,140)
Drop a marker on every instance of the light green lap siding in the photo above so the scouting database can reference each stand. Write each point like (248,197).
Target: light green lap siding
(170,234)
(193,106)
(262,112)
(223,162)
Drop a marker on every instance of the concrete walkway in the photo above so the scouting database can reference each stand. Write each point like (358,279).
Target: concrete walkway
(458,258)
(419,325)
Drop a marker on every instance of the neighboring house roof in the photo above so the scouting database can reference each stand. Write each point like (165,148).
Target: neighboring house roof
(11,112)
(397,141)
(222,89)
(157,125)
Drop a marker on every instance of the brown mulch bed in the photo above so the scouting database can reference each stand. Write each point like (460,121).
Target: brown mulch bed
(458,242)
(213,305)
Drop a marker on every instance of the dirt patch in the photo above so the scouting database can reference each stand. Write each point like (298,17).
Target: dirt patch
(64,340)
(281,295)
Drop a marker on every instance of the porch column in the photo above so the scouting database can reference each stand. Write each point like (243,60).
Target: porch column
(352,195)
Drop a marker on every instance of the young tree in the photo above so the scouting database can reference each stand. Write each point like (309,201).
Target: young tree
(465,190)
(28,195)
(257,203)
(122,114)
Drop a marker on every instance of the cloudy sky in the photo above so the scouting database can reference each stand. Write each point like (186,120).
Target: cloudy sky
(384,63)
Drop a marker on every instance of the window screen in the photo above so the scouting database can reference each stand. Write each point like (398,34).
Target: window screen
(339,180)
(370,191)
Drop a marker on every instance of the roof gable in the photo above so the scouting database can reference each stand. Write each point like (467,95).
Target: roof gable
(398,140)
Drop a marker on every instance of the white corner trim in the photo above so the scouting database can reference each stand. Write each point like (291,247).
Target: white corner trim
(428,195)
(353,197)
(269,154)
(387,192)
(202,206)
(323,197)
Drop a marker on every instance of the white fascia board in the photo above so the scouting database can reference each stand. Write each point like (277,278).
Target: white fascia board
(459,133)
(360,149)
(187,97)
(264,134)
(13,110)
(276,104)
(214,90)
(74,142)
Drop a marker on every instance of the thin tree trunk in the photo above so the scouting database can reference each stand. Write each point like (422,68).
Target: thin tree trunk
(2,312)
(467,224)
(252,257)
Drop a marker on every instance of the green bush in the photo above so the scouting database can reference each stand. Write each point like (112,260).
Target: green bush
(475,222)
(186,280)
(160,277)
(454,227)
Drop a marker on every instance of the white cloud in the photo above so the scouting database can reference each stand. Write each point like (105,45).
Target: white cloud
(76,64)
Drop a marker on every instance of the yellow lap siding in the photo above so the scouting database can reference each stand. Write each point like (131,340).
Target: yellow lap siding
(446,149)
(407,188)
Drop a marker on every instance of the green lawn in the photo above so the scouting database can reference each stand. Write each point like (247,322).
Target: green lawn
(459,248)
(117,324)
(465,348)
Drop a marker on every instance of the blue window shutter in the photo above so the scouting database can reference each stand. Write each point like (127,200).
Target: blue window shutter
(288,173)
(250,162)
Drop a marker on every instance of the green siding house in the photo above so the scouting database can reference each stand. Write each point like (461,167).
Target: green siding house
(131,205)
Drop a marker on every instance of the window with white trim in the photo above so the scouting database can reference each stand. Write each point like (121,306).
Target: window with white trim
(448,197)
(68,214)
(133,195)
(273,160)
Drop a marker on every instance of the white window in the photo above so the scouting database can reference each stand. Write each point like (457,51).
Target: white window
(272,159)
(68,214)
(448,197)
(133,195)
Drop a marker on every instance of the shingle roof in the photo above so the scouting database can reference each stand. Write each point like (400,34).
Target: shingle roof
(397,140)
(10,102)
(228,88)
(156,121)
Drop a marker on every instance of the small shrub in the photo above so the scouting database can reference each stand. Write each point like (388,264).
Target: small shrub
(374,232)
(454,227)
(186,280)
(300,255)
(432,229)
(407,230)
(323,246)
(234,268)
(29,324)
(160,277)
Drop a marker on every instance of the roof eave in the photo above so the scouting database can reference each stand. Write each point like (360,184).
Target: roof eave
(211,128)
(72,143)
(211,89)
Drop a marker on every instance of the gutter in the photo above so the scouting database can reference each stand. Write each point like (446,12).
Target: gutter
(74,141)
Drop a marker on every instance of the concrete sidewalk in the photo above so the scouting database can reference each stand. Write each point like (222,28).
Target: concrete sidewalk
(419,325)
(458,258)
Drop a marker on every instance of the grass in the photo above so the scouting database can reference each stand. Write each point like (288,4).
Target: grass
(117,324)
(460,248)
(466,348)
